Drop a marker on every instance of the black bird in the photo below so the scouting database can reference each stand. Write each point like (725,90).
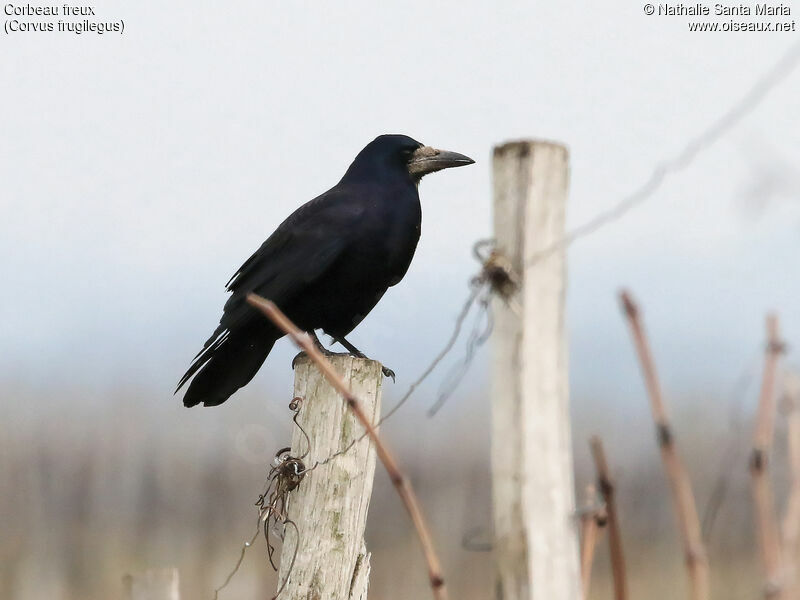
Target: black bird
(326,266)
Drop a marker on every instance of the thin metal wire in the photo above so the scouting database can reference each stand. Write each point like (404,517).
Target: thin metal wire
(294,557)
(705,139)
(478,336)
(475,290)
(235,569)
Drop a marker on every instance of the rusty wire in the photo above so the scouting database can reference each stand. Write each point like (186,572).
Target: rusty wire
(285,475)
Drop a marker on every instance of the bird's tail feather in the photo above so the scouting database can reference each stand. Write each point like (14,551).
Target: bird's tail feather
(224,367)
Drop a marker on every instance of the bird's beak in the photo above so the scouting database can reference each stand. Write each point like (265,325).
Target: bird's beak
(428,160)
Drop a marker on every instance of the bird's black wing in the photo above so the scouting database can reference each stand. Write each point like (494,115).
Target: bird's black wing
(300,250)
(301,247)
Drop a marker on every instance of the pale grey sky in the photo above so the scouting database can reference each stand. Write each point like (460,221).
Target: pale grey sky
(138,171)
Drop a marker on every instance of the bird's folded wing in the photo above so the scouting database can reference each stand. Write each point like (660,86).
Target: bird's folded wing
(303,247)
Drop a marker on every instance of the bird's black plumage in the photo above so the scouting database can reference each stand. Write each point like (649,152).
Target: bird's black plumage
(326,266)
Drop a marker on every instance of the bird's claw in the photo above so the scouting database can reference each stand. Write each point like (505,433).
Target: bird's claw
(387,372)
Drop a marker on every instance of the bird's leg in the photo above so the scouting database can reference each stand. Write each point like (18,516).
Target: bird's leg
(317,342)
(312,334)
(387,372)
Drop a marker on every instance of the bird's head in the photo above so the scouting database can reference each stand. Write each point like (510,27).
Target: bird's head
(401,153)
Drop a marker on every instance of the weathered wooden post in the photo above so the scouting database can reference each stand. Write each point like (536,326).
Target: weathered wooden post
(535,527)
(330,505)
(153,584)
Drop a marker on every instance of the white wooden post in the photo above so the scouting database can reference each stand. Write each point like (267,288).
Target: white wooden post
(535,529)
(330,504)
(153,584)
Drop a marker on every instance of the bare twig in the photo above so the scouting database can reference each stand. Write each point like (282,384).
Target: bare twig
(765,424)
(679,482)
(401,483)
(766,519)
(592,519)
(791,521)
(606,485)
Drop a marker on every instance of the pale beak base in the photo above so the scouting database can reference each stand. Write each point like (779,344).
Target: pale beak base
(429,160)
